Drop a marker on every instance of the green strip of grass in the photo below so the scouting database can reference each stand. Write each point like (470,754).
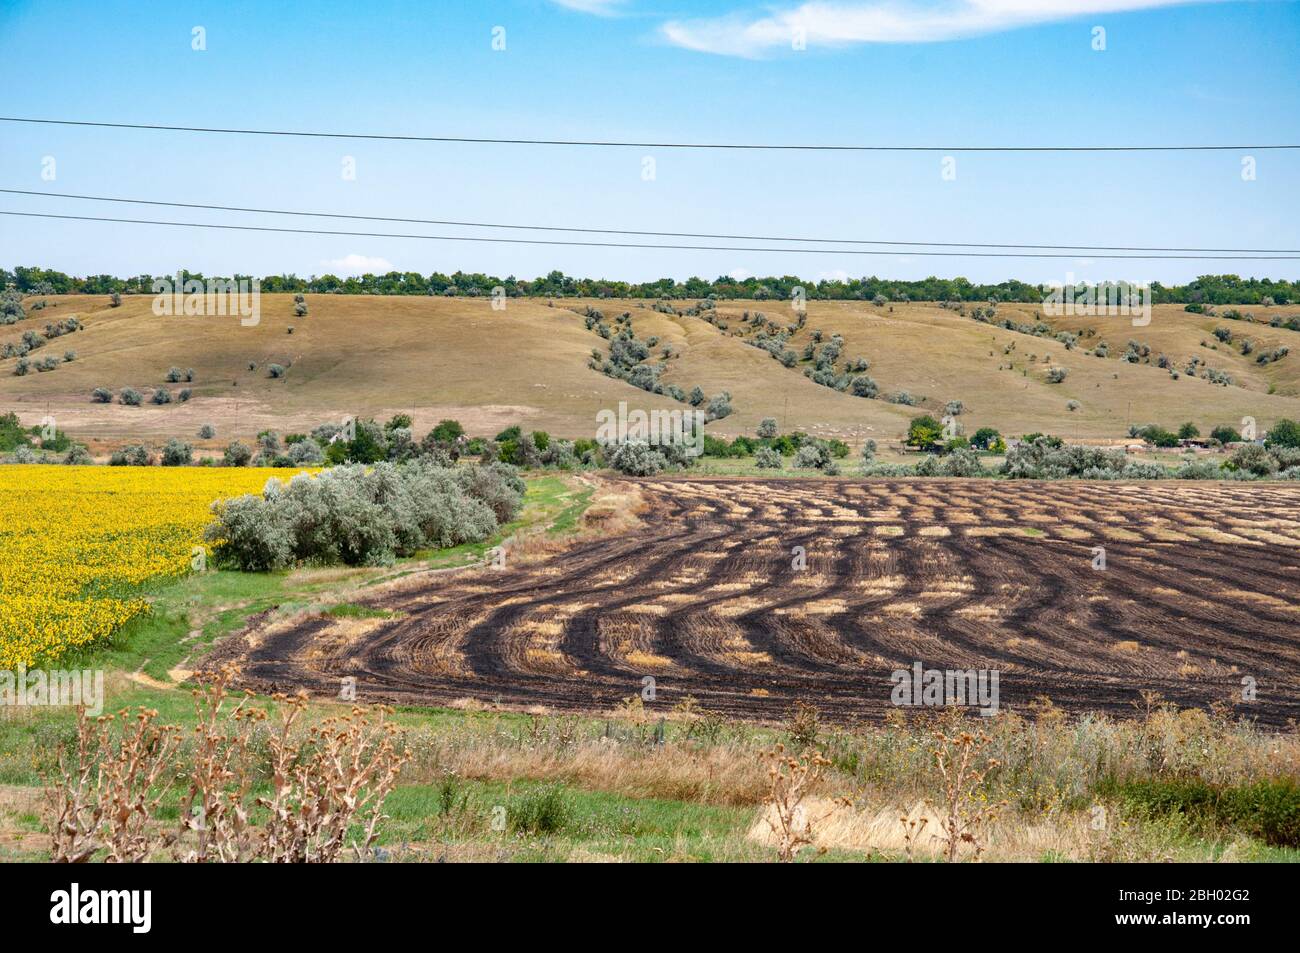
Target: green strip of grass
(1268,811)
(350,610)
(553,822)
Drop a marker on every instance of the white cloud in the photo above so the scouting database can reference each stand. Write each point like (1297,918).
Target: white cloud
(883,21)
(835,274)
(359,265)
(601,8)
(740,274)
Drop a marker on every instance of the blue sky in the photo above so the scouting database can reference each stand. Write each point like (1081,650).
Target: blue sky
(938,72)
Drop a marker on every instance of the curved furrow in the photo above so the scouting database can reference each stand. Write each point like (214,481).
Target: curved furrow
(708,599)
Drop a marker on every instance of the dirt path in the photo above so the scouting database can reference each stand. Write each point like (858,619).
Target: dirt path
(1201,589)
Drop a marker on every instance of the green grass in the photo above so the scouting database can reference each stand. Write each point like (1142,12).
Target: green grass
(350,610)
(540,822)
(159,640)
(1266,810)
(566,521)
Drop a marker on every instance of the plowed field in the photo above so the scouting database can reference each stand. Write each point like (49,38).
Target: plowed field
(1201,588)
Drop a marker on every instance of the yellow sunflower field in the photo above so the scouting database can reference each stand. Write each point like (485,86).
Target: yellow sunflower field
(76,543)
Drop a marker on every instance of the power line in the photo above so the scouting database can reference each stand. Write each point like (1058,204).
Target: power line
(608,143)
(626,231)
(540,241)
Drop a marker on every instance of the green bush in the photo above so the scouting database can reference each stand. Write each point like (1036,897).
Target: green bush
(637,459)
(1198,470)
(177,453)
(12,433)
(1041,457)
(250,534)
(1283,433)
(497,485)
(924,432)
(361,516)
(306,453)
(543,811)
(134,455)
(864,386)
(715,447)
(368,445)
(718,407)
(447,431)
(986,438)
(1155,434)
(816,455)
(1252,459)
(1266,810)
(237,454)
(961,462)
(11,306)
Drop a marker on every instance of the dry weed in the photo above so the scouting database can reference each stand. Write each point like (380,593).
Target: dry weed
(107,798)
(959,756)
(791,780)
(334,776)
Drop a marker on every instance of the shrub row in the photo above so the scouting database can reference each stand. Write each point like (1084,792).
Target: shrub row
(1267,810)
(361,515)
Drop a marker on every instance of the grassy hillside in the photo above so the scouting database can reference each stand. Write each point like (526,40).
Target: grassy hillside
(437,357)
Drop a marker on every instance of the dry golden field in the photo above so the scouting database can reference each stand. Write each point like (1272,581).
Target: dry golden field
(438,357)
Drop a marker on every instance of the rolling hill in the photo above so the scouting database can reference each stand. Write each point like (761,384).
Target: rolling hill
(437,357)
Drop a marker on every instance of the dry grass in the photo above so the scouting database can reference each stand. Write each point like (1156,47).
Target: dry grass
(723,774)
(885,831)
(615,508)
(844,826)
(348,342)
